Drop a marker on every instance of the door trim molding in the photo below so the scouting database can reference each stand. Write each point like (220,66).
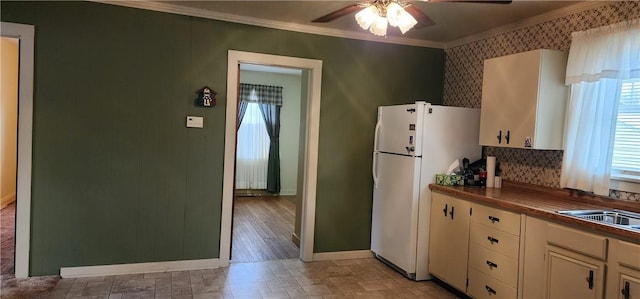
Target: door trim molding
(235,58)
(26,34)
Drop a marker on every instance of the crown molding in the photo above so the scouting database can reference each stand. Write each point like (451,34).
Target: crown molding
(554,14)
(202,13)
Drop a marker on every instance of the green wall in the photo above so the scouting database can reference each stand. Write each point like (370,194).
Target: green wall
(117,178)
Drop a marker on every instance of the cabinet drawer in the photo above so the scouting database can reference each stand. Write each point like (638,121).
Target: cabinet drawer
(496,218)
(495,240)
(629,254)
(482,286)
(578,241)
(494,264)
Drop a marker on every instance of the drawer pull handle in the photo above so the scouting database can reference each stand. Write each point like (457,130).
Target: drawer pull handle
(446,207)
(492,265)
(490,290)
(627,290)
(494,219)
(590,280)
(451,213)
(493,240)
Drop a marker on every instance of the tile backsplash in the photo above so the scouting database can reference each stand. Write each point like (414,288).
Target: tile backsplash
(463,82)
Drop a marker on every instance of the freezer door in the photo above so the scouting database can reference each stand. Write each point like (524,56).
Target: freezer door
(399,129)
(395,210)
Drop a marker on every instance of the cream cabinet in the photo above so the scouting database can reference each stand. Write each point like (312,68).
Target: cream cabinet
(494,252)
(625,274)
(571,275)
(449,239)
(523,100)
(575,263)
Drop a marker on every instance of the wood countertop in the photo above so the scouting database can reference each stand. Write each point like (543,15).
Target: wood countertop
(543,202)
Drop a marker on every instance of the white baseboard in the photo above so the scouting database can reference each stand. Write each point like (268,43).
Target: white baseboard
(137,268)
(287,192)
(342,255)
(8,199)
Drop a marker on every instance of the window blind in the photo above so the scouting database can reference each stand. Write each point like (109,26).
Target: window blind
(626,152)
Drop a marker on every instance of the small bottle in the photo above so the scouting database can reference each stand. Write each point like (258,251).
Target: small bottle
(483,177)
(467,173)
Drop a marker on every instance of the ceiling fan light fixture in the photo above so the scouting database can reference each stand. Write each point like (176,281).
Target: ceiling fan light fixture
(379,27)
(406,22)
(395,13)
(367,17)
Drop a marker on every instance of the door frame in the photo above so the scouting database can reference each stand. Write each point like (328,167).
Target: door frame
(235,58)
(26,34)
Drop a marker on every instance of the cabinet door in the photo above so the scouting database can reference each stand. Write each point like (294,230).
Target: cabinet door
(449,240)
(571,275)
(509,97)
(629,284)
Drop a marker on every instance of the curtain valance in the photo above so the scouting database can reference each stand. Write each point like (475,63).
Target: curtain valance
(605,52)
(264,94)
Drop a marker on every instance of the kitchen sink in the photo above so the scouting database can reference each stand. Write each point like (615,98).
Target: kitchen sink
(622,218)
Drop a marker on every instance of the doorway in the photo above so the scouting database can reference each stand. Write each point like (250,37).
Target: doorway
(9,49)
(25,36)
(266,201)
(311,80)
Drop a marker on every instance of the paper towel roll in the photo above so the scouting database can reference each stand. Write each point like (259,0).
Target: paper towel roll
(491,170)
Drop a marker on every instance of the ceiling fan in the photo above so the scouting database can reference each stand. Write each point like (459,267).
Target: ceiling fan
(376,14)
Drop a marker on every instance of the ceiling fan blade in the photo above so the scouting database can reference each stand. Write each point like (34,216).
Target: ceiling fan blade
(473,1)
(338,13)
(416,13)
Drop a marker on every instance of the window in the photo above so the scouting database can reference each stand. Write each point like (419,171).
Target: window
(252,150)
(626,152)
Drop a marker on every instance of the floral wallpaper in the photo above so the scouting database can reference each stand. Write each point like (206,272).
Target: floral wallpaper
(463,82)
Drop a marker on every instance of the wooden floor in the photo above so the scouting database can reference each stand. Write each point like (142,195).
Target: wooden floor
(262,229)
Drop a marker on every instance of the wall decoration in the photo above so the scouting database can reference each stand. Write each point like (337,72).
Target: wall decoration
(463,82)
(206,97)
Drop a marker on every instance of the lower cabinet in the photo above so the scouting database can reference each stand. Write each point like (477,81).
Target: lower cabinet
(625,274)
(449,240)
(487,252)
(572,275)
(628,283)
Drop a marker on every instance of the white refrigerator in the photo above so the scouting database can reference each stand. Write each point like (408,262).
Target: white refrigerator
(413,143)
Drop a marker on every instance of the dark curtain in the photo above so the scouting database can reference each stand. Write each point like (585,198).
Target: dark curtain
(271,115)
(242,108)
(270,100)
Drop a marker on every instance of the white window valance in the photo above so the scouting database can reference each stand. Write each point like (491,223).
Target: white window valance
(605,52)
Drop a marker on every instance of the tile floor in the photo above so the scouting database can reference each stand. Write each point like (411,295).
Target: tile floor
(7,238)
(357,278)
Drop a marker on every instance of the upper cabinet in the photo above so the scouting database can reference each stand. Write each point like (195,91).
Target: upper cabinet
(524,100)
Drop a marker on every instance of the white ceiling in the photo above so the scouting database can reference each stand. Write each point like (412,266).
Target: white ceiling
(454,22)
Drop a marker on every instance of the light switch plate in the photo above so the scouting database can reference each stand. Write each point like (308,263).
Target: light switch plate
(195,122)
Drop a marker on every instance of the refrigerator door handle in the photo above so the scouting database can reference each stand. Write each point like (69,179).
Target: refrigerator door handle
(375,154)
(375,136)
(373,170)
